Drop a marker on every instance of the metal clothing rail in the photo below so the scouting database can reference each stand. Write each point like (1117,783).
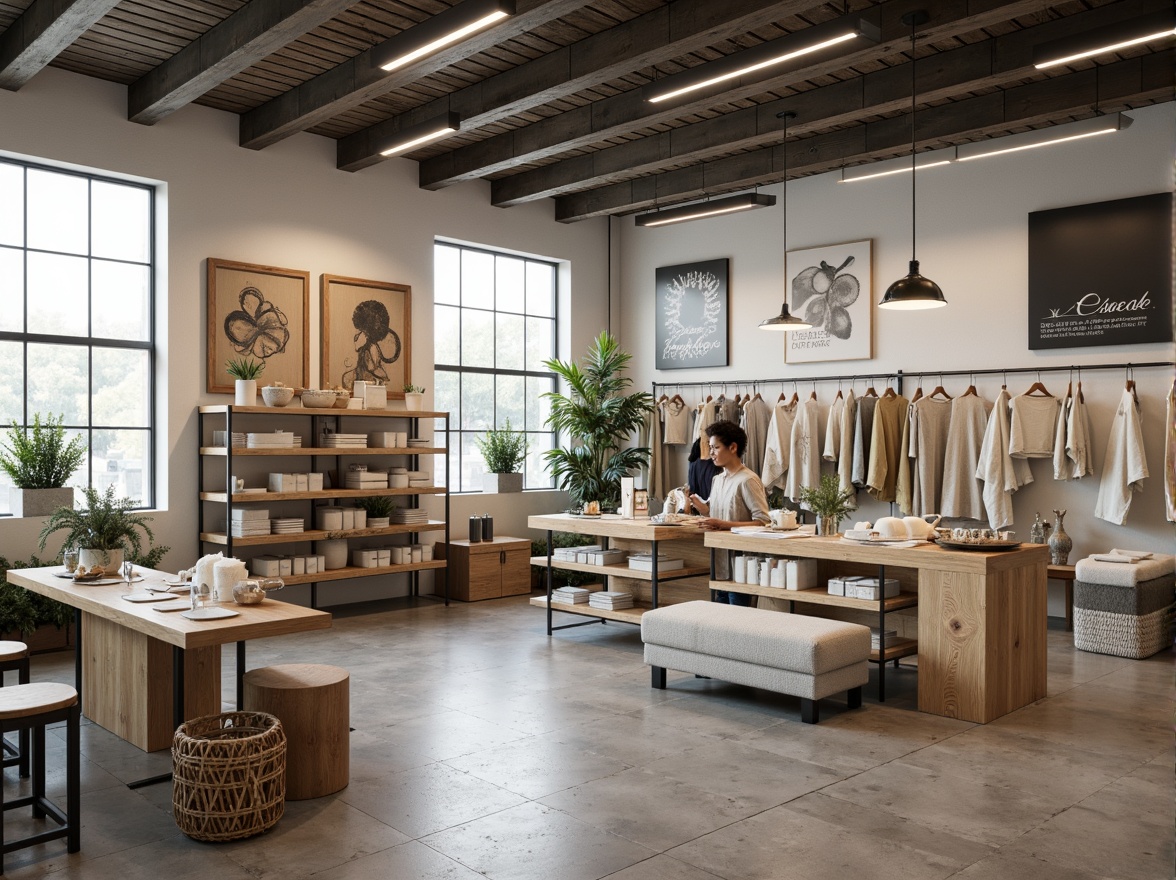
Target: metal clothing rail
(1049,369)
(847,377)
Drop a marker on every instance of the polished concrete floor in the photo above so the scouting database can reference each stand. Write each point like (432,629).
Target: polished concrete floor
(484,748)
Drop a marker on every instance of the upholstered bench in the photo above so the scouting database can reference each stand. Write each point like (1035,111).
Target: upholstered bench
(806,657)
(1124,609)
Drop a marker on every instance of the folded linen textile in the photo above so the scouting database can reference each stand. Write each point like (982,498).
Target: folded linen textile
(1120,575)
(1133,554)
(1111,557)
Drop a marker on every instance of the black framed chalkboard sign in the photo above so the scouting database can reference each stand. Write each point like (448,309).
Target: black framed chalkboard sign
(1100,274)
(690,315)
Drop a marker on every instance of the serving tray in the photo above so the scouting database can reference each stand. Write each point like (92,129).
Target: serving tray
(983,547)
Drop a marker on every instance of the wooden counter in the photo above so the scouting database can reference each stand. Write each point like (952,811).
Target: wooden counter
(981,616)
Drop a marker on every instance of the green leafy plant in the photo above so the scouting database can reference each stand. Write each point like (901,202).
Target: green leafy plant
(409,388)
(39,458)
(503,449)
(23,610)
(377,505)
(105,523)
(244,368)
(827,499)
(598,416)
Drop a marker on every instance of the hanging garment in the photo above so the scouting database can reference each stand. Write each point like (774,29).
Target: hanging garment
(676,414)
(904,486)
(1001,473)
(658,482)
(833,430)
(1125,467)
(728,410)
(757,417)
(776,452)
(1062,466)
(963,494)
(701,472)
(882,477)
(804,467)
(706,418)
(1170,456)
(863,432)
(1031,432)
(929,421)
(845,451)
(1079,438)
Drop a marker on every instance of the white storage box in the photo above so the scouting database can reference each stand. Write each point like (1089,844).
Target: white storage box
(365,558)
(265,566)
(800,574)
(867,588)
(348,514)
(298,565)
(282,483)
(330,519)
(382,439)
(314,482)
(310,563)
(302,482)
(837,585)
(285,566)
(397,481)
(384,556)
(375,397)
(360,516)
(245,514)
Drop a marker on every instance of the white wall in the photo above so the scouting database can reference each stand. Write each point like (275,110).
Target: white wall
(972,240)
(285,206)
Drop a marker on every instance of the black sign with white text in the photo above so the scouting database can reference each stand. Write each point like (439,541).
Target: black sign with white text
(1101,274)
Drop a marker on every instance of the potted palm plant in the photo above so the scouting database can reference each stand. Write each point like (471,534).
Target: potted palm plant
(39,461)
(829,502)
(598,417)
(504,451)
(105,530)
(244,372)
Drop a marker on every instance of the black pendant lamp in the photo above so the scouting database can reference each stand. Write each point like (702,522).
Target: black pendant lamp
(785,321)
(914,291)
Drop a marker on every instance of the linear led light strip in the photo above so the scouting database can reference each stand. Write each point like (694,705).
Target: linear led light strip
(443,127)
(728,205)
(1049,143)
(1114,47)
(906,169)
(445,40)
(714,212)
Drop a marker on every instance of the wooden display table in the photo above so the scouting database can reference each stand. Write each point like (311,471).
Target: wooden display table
(981,616)
(488,569)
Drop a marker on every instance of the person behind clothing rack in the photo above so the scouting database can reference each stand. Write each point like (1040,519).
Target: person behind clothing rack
(737,497)
(701,474)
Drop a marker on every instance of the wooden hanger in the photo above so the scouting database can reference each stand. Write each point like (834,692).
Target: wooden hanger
(870,392)
(1081,399)
(757,396)
(889,393)
(918,393)
(780,399)
(940,391)
(813,396)
(677,398)
(971,392)
(1037,387)
(838,395)
(709,399)
(793,399)
(663,398)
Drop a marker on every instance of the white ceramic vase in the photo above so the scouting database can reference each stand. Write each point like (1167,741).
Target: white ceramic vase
(110,560)
(334,552)
(245,392)
(413,400)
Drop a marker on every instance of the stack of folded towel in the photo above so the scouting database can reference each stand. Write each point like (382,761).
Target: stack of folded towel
(1123,602)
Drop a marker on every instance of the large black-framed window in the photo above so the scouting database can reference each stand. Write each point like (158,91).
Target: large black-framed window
(494,323)
(77,317)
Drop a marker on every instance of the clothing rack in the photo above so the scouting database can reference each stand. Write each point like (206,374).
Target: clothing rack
(755,383)
(1049,369)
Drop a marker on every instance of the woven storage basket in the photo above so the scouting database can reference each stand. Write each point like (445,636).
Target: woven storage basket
(229,775)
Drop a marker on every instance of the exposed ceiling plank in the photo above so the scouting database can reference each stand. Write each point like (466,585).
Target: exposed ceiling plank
(41,33)
(253,32)
(622,113)
(358,80)
(1131,82)
(951,74)
(663,33)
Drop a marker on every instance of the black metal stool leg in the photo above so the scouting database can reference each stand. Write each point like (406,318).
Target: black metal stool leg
(73,782)
(38,767)
(22,738)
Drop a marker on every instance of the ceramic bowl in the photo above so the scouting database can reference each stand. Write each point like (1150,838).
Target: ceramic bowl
(318,399)
(277,395)
(341,398)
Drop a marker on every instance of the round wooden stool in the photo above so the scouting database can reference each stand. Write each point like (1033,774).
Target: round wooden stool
(14,657)
(313,704)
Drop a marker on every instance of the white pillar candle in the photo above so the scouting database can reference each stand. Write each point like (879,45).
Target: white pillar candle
(740,572)
(765,574)
(226,574)
(204,568)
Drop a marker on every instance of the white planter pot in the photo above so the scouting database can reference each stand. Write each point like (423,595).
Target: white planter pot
(38,502)
(110,560)
(413,400)
(378,522)
(245,392)
(502,482)
(334,552)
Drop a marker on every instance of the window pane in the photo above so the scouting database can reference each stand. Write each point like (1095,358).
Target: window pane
(509,337)
(446,275)
(121,296)
(12,198)
(121,387)
(57,212)
(540,342)
(447,335)
(538,406)
(11,288)
(477,338)
(446,394)
(439,467)
(477,279)
(57,288)
(59,383)
(12,388)
(536,467)
(510,402)
(121,220)
(477,395)
(509,287)
(541,289)
(122,459)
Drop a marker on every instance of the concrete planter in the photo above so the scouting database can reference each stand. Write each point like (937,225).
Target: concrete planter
(38,502)
(110,560)
(502,483)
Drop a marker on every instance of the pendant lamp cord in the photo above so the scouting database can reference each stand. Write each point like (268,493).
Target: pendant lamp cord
(785,199)
(913,176)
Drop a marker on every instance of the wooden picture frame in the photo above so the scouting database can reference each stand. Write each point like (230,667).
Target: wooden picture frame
(385,351)
(831,286)
(261,313)
(690,315)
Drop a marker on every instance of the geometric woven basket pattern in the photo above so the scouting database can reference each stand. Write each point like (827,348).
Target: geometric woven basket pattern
(1122,635)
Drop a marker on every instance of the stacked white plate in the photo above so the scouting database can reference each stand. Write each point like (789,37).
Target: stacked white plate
(288,525)
(272,440)
(409,515)
(250,527)
(345,441)
(418,442)
(218,439)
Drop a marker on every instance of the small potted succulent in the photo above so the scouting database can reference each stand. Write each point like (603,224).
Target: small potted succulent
(504,451)
(379,510)
(39,461)
(244,372)
(414,395)
(105,530)
(829,502)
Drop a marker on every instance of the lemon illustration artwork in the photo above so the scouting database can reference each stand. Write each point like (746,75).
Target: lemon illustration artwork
(829,294)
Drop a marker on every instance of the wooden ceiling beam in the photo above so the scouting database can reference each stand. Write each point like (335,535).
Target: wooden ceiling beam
(1123,84)
(664,33)
(993,63)
(41,33)
(255,31)
(621,114)
(358,79)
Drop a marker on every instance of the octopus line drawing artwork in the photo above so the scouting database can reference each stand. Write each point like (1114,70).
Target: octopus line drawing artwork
(376,344)
(258,328)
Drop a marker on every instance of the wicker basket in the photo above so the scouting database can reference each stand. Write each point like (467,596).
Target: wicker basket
(229,775)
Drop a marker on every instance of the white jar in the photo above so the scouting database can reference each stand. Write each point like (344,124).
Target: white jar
(739,570)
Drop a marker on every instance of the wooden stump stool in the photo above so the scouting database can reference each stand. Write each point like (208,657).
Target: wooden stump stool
(312,702)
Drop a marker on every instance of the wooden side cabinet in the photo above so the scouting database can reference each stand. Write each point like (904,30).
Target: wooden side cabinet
(489,569)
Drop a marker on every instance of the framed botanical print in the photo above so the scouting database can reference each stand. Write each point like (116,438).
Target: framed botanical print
(261,313)
(831,288)
(366,333)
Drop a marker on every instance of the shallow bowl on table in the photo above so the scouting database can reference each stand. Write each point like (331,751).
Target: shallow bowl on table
(276,395)
(318,399)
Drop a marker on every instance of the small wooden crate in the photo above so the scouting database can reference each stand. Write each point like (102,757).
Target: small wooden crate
(229,775)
